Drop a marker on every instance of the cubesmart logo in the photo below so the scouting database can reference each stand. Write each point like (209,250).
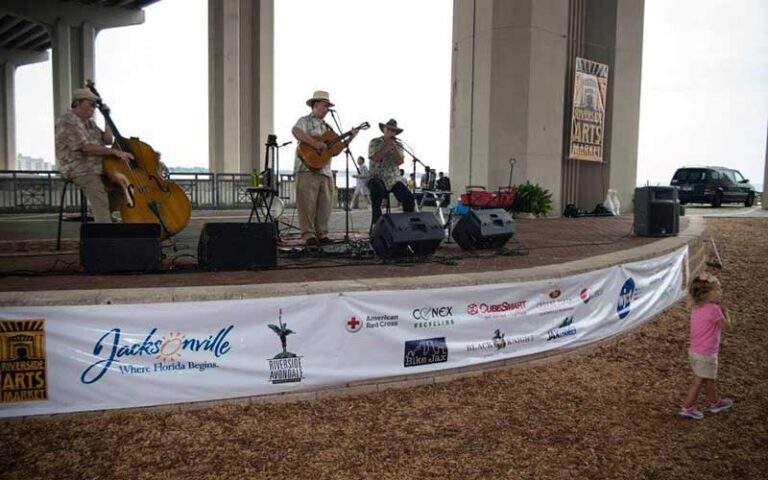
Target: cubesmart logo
(626,295)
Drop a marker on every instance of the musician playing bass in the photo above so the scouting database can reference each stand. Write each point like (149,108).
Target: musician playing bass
(314,187)
(80,148)
(386,155)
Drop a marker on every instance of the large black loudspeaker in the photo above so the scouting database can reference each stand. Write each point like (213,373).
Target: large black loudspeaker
(480,229)
(237,246)
(120,247)
(394,235)
(657,212)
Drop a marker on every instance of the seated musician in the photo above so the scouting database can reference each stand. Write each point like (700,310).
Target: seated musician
(80,148)
(314,188)
(386,155)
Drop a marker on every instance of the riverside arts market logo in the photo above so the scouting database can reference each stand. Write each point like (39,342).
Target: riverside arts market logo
(168,350)
(285,367)
(22,361)
(425,352)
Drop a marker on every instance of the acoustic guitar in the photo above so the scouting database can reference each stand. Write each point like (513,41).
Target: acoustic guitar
(315,160)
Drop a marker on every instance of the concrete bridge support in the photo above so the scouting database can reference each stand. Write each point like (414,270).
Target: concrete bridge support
(241,85)
(511,80)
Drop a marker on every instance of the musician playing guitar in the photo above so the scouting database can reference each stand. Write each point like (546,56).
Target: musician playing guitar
(314,185)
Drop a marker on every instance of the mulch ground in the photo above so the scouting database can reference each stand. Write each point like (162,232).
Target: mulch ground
(608,413)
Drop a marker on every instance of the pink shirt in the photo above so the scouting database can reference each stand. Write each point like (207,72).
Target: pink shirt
(705,331)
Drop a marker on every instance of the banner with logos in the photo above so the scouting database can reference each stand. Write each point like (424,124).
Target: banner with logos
(590,91)
(78,358)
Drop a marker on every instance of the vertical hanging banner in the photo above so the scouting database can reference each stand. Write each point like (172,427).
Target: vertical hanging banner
(590,93)
(61,359)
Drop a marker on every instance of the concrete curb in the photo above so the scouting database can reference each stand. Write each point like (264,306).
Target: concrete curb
(691,236)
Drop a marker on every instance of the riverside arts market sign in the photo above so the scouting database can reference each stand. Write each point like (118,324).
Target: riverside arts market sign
(588,117)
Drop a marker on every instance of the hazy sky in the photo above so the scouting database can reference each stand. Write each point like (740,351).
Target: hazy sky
(704,87)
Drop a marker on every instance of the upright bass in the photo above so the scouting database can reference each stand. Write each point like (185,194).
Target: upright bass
(148,198)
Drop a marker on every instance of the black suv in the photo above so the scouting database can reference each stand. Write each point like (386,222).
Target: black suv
(715,185)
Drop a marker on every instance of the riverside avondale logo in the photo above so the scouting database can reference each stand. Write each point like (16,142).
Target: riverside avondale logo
(22,361)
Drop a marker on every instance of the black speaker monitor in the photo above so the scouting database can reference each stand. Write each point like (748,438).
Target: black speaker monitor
(237,246)
(120,247)
(395,235)
(481,229)
(657,211)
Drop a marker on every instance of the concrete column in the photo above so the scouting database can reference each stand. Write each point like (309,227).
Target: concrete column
(73,50)
(7,117)
(507,92)
(240,73)
(61,53)
(614,36)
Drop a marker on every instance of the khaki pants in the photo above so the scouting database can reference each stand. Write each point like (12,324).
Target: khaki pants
(314,194)
(98,195)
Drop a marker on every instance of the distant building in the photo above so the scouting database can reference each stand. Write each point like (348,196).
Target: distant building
(188,169)
(24,162)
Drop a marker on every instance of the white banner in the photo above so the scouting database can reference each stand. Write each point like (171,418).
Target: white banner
(68,359)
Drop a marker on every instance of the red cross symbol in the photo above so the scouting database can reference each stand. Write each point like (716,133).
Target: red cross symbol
(354,325)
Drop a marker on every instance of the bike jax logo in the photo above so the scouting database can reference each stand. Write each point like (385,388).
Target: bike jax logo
(425,352)
(626,295)
(355,323)
(503,309)
(497,344)
(285,367)
(427,317)
(565,329)
(22,361)
(168,350)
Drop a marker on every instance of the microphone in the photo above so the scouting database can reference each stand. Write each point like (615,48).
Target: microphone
(332,110)
(287,143)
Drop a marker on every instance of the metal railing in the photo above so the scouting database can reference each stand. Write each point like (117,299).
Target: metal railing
(39,191)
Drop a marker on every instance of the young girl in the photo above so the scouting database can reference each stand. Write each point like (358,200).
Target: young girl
(708,317)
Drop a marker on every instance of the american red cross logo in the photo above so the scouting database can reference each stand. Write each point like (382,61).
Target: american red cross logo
(354,325)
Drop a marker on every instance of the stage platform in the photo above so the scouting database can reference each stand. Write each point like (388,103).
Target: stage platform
(541,247)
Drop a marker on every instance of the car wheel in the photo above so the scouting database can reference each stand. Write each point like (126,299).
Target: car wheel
(750,200)
(718,200)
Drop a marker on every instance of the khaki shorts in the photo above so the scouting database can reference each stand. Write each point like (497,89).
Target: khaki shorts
(703,366)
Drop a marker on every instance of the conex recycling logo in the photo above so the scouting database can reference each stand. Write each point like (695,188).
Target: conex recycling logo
(110,349)
(626,295)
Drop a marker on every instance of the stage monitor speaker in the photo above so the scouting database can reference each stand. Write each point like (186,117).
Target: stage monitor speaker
(486,228)
(237,246)
(120,247)
(395,235)
(657,212)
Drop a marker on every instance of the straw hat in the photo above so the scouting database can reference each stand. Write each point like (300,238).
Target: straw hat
(392,125)
(320,96)
(84,94)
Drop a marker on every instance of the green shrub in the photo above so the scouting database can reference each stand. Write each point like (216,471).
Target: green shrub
(532,198)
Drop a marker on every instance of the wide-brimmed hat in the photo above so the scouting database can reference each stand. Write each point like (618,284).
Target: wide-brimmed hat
(320,96)
(392,125)
(84,94)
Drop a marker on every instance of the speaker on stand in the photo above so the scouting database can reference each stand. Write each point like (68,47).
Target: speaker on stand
(396,234)
(657,212)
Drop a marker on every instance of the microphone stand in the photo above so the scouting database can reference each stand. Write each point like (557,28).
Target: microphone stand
(348,155)
(415,161)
